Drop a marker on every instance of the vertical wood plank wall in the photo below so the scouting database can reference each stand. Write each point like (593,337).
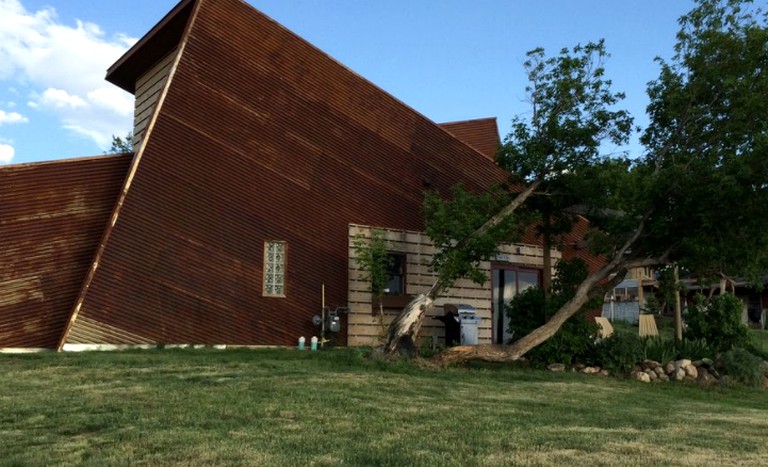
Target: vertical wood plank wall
(148,89)
(367,328)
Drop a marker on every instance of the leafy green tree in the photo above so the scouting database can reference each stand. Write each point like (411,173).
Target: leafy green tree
(121,145)
(698,194)
(374,261)
(718,321)
(572,115)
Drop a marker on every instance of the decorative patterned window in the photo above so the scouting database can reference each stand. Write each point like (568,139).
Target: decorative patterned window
(274,269)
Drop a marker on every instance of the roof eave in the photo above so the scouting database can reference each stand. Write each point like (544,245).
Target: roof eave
(160,40)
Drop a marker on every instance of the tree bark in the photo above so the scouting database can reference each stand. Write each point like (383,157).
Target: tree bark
(404,329)
(509,353)
(678,311)
(618,266)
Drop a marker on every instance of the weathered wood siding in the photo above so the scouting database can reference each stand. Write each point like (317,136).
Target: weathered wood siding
(367,328)
(148,89)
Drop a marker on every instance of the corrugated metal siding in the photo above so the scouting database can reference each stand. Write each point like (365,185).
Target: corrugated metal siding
(269,142)
(148,89)
(482,134)
(52,216)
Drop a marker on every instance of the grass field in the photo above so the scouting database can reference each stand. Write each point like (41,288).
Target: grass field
(284,407)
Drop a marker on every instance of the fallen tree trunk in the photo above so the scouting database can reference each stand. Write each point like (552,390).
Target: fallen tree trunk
(605,278)
(510,353)
(404,329)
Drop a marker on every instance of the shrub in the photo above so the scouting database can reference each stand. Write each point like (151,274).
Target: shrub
(718,321)
(619,353)
(528,310)
(659,349)
(695,349)
(665,350)
(742,366)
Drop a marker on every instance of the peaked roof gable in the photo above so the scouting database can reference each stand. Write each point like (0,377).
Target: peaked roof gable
(157,43)
(482,134)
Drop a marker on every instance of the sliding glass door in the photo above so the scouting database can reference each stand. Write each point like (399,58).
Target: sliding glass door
(508,281)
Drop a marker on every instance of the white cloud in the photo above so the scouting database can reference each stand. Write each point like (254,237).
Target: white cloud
(6,153)
(62,67)
(112,98)
(59,98)
(7,118)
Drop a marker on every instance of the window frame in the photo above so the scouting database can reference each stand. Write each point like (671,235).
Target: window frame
(391,301)
(265,263)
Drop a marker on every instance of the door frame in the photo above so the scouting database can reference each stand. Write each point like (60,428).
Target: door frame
(507,267)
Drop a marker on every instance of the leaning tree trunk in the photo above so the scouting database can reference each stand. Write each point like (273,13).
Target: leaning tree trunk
(510,353)
(404,329)
(595,283)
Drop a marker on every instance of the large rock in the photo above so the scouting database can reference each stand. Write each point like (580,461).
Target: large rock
(651,374)
(706,379)
(651,364)
(682,363)
(641,376)
(659,370)
(691,371)
(669,368)
(677,375)
(590,370)
(556,367)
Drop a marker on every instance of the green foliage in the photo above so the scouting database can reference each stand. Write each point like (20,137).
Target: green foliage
(695,349)
(121,145)
(717,321)
(453,227)
(619,353)
(664,350)
(529,310)
(742,366)
(667,288)
(658,349)
(758,343)
(373,260)
(708,135)
(572,113)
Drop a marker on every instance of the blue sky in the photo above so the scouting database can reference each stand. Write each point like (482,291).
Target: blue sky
(448,59)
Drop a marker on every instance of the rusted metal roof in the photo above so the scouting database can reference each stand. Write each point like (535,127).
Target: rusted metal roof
(51,218)
(482,134)
(276,141)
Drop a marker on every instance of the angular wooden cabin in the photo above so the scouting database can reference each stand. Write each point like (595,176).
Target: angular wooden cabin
(257,158)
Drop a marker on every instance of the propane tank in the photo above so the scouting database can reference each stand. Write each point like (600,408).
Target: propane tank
(302,340)
(313,343)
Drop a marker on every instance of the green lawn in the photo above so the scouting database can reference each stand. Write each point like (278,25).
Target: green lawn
(283,407)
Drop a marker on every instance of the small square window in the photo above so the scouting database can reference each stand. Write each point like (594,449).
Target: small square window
(274,269)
